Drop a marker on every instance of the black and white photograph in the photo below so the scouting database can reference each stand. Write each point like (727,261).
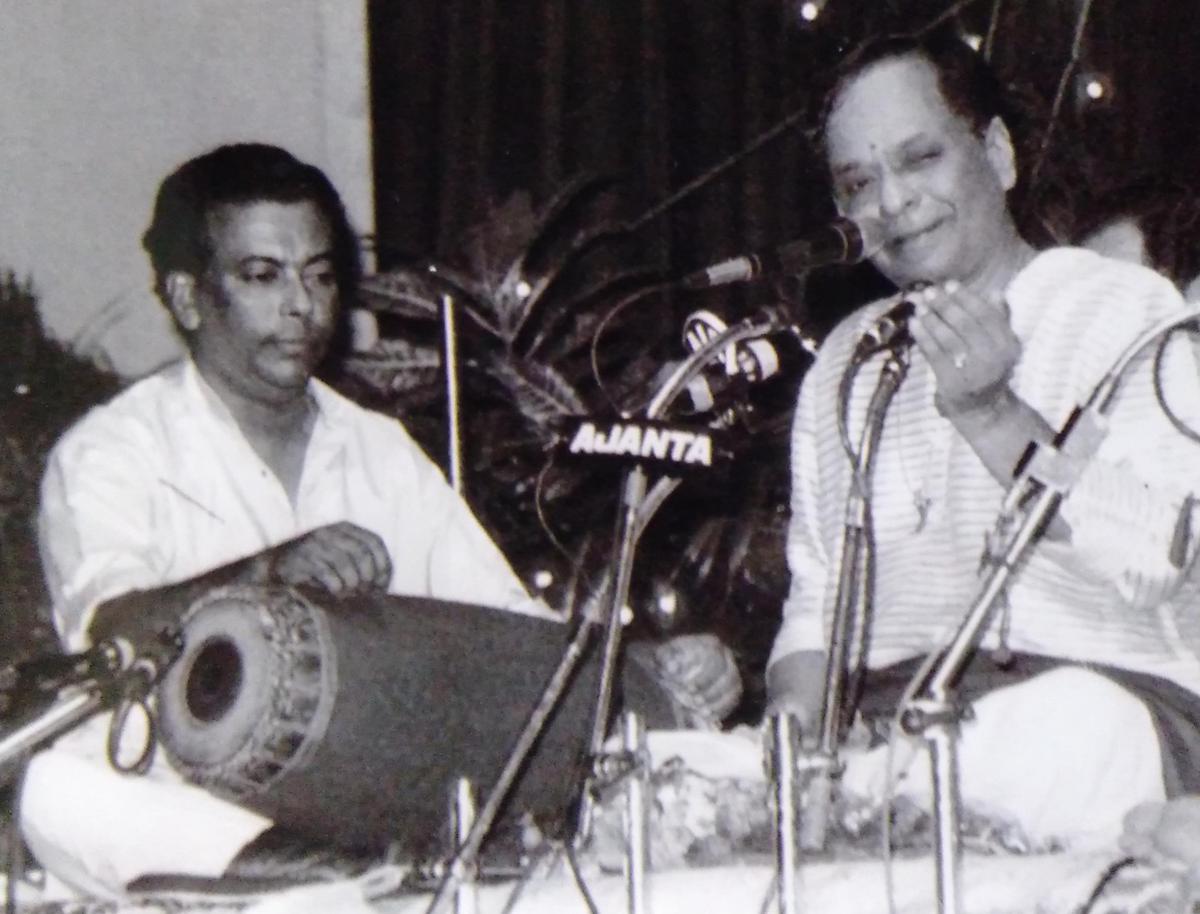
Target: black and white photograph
(599,456)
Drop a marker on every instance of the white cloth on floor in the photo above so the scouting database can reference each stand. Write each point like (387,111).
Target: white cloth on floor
(1064,755)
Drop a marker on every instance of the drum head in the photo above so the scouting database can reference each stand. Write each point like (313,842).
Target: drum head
(251,695)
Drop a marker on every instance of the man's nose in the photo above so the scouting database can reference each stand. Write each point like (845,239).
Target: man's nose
(298,299)
(896,194)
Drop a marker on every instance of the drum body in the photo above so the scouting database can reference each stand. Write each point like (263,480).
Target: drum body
(352,726)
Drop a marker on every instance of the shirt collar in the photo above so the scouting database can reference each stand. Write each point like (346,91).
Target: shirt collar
(331,412)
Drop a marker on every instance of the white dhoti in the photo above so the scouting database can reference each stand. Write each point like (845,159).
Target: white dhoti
(95,829)
(1064,755)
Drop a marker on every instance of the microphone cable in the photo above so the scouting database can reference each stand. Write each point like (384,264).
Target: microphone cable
(594,348)
(1160,393)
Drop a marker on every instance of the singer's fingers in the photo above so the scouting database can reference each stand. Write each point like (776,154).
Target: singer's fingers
(958,309)
(973,316)
(940,343)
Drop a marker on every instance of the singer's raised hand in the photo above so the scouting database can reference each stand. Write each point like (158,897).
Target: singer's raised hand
(969,343)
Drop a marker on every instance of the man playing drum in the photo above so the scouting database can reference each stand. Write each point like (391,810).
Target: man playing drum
(236,466)
(1089,685)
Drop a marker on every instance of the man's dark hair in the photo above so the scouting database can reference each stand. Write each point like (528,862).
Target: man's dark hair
(967,82)
(243,173)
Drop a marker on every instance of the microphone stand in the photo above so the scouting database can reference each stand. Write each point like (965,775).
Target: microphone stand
(853,593)
(115,680)
(1043,480)
(632,519)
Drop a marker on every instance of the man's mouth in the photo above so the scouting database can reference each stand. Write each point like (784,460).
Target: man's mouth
(902,240)
(296,347)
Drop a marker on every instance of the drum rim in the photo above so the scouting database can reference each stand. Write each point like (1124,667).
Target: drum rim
(299,695)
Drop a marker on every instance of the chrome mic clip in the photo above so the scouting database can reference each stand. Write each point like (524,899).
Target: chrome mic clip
(890,330)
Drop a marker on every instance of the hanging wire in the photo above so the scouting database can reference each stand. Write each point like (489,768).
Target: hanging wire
(949,13)
(889,788)
(1111,872)
(540,508)
(573,863)
(770,896)
(593,352)
(549,852)
(15,864)
(989,43)
(1160,394)
(1060,94)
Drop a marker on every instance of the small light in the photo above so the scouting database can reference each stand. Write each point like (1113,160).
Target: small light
(1094,88)
(626,616)
(974,41)
(432,268)
(523,289)
(810,11)
(21,389)
(668,603)
(542,579)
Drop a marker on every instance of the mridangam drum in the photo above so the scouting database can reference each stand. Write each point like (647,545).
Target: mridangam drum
(351,725)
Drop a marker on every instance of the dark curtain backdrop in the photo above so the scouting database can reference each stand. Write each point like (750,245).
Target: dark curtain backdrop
(474,99)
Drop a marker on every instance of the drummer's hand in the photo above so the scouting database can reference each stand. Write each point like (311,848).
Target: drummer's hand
(341,558)
(1165,832)
(701,675)
(969,343)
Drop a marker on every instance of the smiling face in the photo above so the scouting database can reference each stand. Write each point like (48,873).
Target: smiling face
(898,153)
(261,314)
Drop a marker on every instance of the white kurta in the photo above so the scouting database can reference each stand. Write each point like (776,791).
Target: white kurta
(158,486)
(1110,596)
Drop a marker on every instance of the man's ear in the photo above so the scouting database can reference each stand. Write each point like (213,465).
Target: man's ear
(998,146)
(181,296)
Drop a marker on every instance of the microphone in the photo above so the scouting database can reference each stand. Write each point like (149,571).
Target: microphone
(49,672)
(842,241)
(890,329)
(742,364)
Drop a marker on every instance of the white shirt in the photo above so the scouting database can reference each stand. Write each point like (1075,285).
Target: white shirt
(1105,596)
(159,485)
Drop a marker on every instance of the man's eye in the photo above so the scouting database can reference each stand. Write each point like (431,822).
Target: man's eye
(320,278)
(922,157)
(852,187)
(262,276)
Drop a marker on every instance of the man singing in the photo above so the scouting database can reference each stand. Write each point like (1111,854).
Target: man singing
(1098,707)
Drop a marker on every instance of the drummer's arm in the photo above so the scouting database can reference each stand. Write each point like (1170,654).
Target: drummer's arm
(140,615)
(342,559)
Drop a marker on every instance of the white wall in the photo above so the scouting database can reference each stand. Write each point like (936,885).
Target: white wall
(100,99)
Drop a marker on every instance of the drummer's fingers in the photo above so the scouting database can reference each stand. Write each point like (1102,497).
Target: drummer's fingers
(316,567)
(680,658)
(360,556)
(318,558)
(723,692)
